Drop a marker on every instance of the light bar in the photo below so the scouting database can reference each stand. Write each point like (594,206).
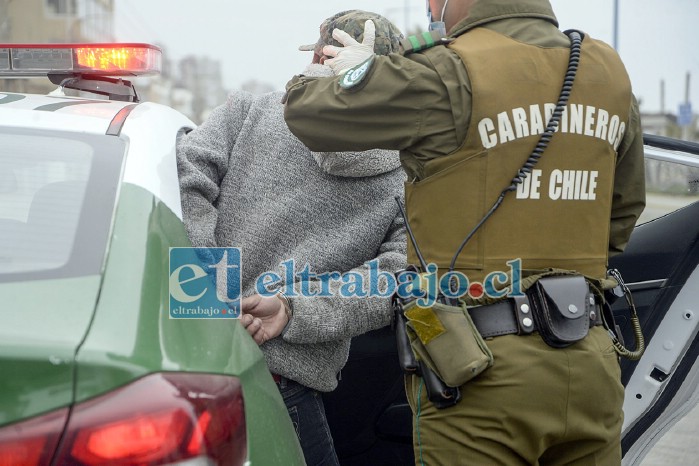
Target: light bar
(88,59)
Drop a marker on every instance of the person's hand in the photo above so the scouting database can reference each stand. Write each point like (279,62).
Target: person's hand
(263,317)
(353,53)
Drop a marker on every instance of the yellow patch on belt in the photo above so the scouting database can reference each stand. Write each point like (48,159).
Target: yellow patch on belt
(425,323)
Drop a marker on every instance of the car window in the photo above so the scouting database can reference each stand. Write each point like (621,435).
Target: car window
(42,188)
(672,182)
(50,183)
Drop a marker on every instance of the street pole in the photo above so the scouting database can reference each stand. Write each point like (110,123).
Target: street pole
(665,130)
(687,130)
(616,25)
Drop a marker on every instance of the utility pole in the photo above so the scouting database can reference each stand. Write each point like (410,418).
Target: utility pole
(662,96)
(687,129)
(616,25)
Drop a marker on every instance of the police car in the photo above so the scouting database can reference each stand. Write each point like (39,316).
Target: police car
(92,369)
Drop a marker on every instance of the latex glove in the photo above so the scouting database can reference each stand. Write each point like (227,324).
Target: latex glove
(353,53)
(263,317)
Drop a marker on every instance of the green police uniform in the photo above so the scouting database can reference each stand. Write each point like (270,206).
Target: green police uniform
(466,116)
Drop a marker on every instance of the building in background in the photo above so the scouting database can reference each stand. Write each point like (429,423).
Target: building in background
(53,21)
(660,124)
(202,76)
(670,125)
(683,125)
(193,86)
(27,21)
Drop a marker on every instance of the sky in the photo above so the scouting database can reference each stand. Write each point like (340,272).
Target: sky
(258,40)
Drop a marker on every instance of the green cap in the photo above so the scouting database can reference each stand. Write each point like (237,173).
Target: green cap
(388,36)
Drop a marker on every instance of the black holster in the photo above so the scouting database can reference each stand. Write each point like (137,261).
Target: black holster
(406,358)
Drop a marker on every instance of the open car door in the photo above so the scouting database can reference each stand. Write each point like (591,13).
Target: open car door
(371,421)
(660,266)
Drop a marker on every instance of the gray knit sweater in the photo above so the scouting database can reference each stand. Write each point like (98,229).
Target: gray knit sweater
(247,182)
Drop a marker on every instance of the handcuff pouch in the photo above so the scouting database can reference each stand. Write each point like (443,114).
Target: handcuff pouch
(561,309)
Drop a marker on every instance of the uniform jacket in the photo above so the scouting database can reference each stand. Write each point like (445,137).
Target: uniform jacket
(422,104)
(247,182)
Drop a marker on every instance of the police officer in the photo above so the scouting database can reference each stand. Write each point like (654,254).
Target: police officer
(466,111)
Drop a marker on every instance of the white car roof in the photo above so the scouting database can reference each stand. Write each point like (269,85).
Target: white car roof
(150,131)
(58,113)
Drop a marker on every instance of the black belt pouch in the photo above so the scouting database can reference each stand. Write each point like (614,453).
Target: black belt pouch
(561,309)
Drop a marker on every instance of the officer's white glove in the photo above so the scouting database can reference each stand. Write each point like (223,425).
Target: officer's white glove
(353,53)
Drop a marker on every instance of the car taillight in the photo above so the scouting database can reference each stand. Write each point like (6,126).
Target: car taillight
(32,442)
(160,419)
(144,438)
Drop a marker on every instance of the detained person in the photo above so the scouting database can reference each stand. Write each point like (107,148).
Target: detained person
(247,182)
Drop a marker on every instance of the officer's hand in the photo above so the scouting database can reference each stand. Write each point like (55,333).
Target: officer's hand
(353,53)
(263,317)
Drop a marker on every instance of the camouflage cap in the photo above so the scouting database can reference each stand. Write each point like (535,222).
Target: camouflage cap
(388,36)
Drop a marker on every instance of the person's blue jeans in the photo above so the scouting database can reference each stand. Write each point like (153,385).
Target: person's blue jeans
(307,413)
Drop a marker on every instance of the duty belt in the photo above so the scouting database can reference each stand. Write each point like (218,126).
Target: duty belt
(513,316)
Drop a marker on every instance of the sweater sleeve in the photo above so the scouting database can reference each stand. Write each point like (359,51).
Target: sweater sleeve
(202,162)
(332,317)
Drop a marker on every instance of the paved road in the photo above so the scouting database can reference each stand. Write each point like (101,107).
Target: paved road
(680,446)
(658,205)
